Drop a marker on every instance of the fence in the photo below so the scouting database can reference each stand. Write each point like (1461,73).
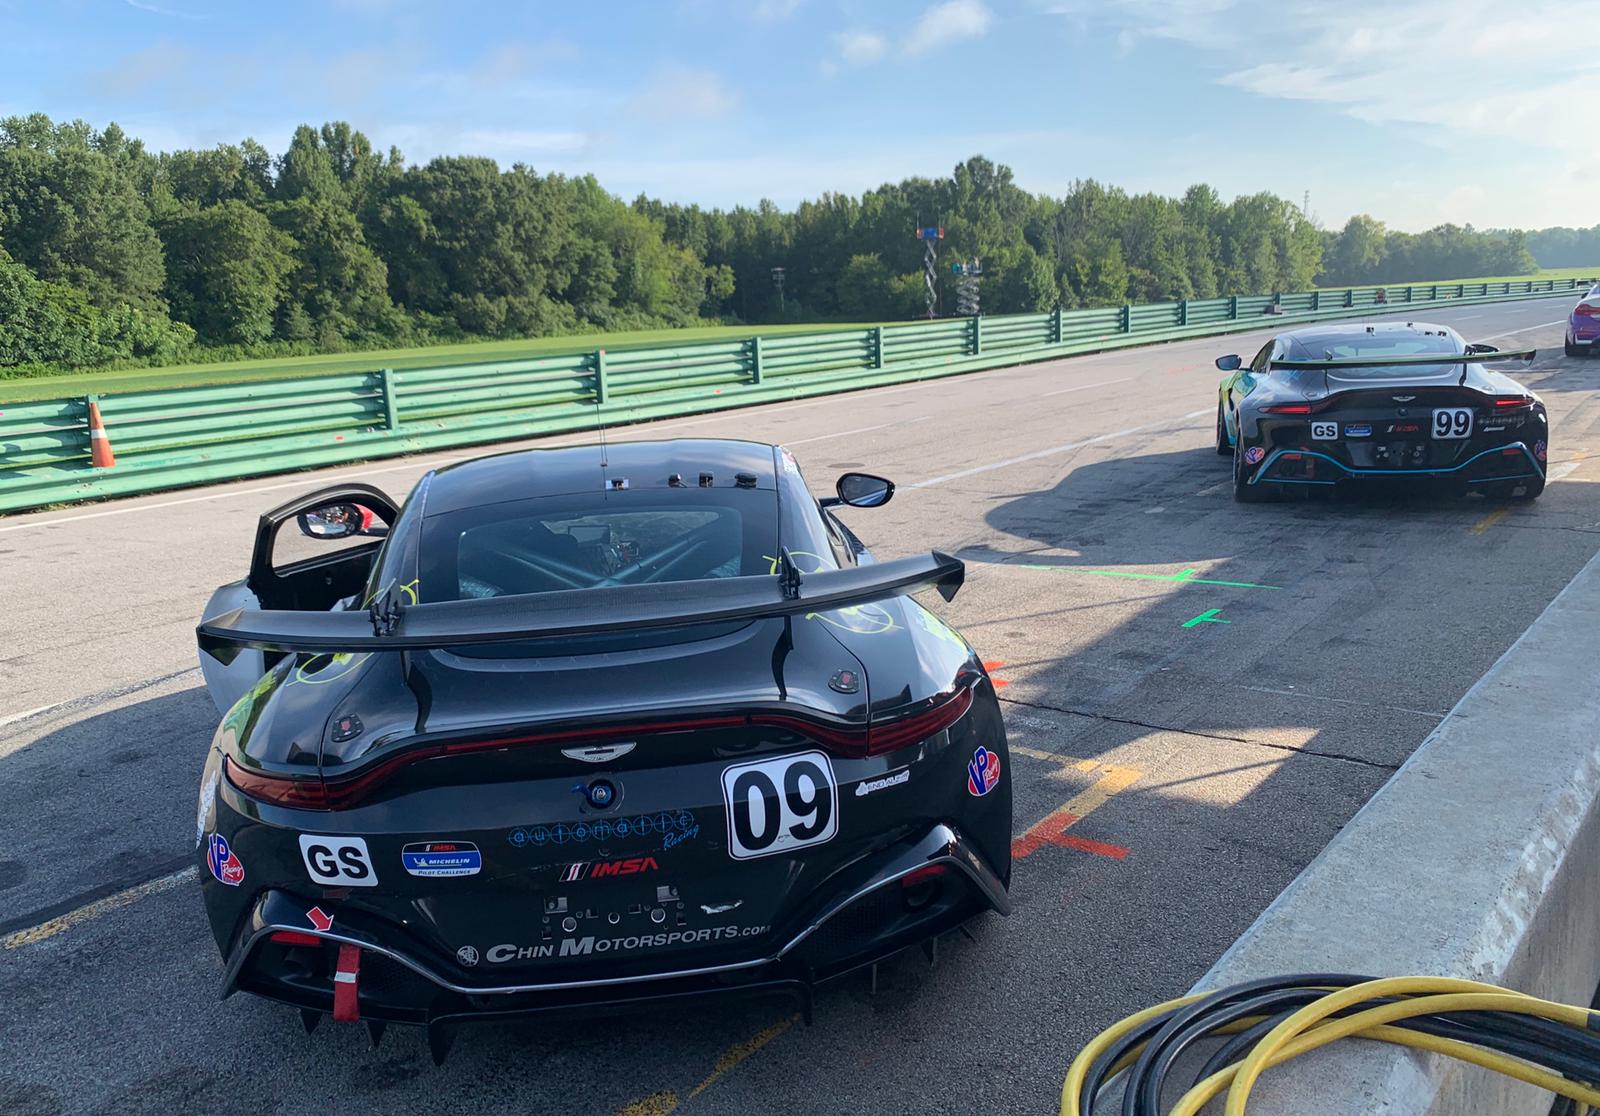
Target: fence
(199,435)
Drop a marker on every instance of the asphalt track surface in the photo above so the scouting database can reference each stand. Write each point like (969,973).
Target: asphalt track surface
(1172,773)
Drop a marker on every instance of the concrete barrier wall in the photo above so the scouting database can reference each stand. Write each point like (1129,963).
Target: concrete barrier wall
(1480,859)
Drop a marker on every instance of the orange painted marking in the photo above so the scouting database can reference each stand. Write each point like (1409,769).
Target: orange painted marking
(1051,829)
(992,665)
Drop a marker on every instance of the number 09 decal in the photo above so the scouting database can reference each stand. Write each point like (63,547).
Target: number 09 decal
(779,805)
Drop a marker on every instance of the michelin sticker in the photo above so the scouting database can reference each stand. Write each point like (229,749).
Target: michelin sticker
(441,858)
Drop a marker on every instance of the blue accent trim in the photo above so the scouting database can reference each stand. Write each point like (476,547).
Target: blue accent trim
(1277,453)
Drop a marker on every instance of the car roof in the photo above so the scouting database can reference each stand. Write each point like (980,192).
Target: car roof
(1313,341)
(525,474)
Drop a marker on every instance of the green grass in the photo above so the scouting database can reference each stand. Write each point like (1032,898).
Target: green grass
(281,368)
(1550,273)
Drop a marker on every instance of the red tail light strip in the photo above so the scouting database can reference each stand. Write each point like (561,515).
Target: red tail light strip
(313,793)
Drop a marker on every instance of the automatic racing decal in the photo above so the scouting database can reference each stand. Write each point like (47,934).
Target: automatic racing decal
(589,944)
(983,772)
(442,858)
(780,805)
(867,786)
(224,862)
(678,826)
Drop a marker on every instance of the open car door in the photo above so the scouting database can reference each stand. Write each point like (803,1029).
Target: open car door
(312,554)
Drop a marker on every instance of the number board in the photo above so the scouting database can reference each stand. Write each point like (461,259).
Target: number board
(780,805)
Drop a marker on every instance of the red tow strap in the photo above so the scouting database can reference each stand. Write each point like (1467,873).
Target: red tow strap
(346,1006)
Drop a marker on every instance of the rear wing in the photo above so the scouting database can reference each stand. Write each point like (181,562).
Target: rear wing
(1484,356)
(391,625)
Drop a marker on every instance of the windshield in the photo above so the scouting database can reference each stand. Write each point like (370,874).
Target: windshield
(1380,345)
(608,538)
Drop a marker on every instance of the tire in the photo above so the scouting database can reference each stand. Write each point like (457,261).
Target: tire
(1243,491)
(1571,349)
(1224,447)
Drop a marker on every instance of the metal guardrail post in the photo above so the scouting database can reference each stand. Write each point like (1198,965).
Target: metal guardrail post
(1316,301)
(1055,326)
(755,360)
(1461,290)
(1183,312)
(391,413)
(1433,293)
(1349,297)
(1410,293)
(877,346)
(1126,324)
(1233,308)
(977,335)
(599,376)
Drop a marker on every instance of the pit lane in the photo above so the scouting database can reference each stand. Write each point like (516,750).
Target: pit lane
(1198,696)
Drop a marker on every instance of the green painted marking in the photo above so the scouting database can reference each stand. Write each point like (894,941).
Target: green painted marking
(1209,616)
(1186,577)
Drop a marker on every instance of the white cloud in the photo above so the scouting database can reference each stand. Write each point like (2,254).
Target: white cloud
(686,91)
(777,9)
(1459,69)
(947,23)
(858,47)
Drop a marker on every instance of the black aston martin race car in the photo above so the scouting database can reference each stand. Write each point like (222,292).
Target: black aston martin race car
(585,727)
(1335,403)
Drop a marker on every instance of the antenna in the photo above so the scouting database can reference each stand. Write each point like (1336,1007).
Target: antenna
(599,423)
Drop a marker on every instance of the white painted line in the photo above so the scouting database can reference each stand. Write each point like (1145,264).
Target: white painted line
(26,713)
(1086,387)
(1469,317)
(1524,329)
(1211,488)
(857,430)
(1554,473)
(1053,450)
(94,910)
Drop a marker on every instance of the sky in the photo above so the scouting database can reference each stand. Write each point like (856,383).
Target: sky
(1418,112)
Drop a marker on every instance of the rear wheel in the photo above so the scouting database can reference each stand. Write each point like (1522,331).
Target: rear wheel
(1223,446)
(1571,349)
(1243,491)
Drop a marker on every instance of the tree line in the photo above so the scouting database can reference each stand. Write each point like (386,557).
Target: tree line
(111,254)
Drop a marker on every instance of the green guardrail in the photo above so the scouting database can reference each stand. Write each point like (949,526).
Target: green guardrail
(200,435)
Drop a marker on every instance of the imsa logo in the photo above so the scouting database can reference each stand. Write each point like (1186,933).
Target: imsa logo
(604,869)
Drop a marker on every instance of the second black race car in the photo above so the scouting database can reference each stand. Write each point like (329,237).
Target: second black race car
(586,727)
(1337,403)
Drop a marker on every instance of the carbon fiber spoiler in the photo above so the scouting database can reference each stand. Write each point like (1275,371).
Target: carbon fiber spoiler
(1487,357)
(390,625)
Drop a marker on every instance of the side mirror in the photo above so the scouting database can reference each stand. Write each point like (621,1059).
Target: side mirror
(1229,363)
(338,521)
(863,490)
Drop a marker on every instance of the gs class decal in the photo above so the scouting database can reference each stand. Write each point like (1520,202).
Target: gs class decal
(780,805)
(983,772)
(338,861)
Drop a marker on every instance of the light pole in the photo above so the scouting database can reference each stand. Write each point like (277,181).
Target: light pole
(777,280)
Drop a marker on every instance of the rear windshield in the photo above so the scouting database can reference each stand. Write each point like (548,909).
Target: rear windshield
(1380,345)
(608,538)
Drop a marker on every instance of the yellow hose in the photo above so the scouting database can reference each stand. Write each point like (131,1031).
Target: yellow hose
(1311,1027)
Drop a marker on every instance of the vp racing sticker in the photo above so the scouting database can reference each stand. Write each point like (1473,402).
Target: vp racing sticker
(983,772)
(224,862)
(437,859)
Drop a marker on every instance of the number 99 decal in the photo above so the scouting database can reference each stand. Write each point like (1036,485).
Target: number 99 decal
(779,805)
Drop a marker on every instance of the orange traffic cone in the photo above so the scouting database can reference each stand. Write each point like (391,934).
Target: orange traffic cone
(100,455)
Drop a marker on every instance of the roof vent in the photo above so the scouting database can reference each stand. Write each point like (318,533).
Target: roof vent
(706,479)
(745,480)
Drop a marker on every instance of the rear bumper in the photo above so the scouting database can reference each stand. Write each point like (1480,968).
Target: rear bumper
(864,919)
(1509,462)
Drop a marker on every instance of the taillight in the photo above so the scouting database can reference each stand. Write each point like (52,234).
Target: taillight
(1506,402)
(295,938)
(310,792)
(1587,309)
(1288,409)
